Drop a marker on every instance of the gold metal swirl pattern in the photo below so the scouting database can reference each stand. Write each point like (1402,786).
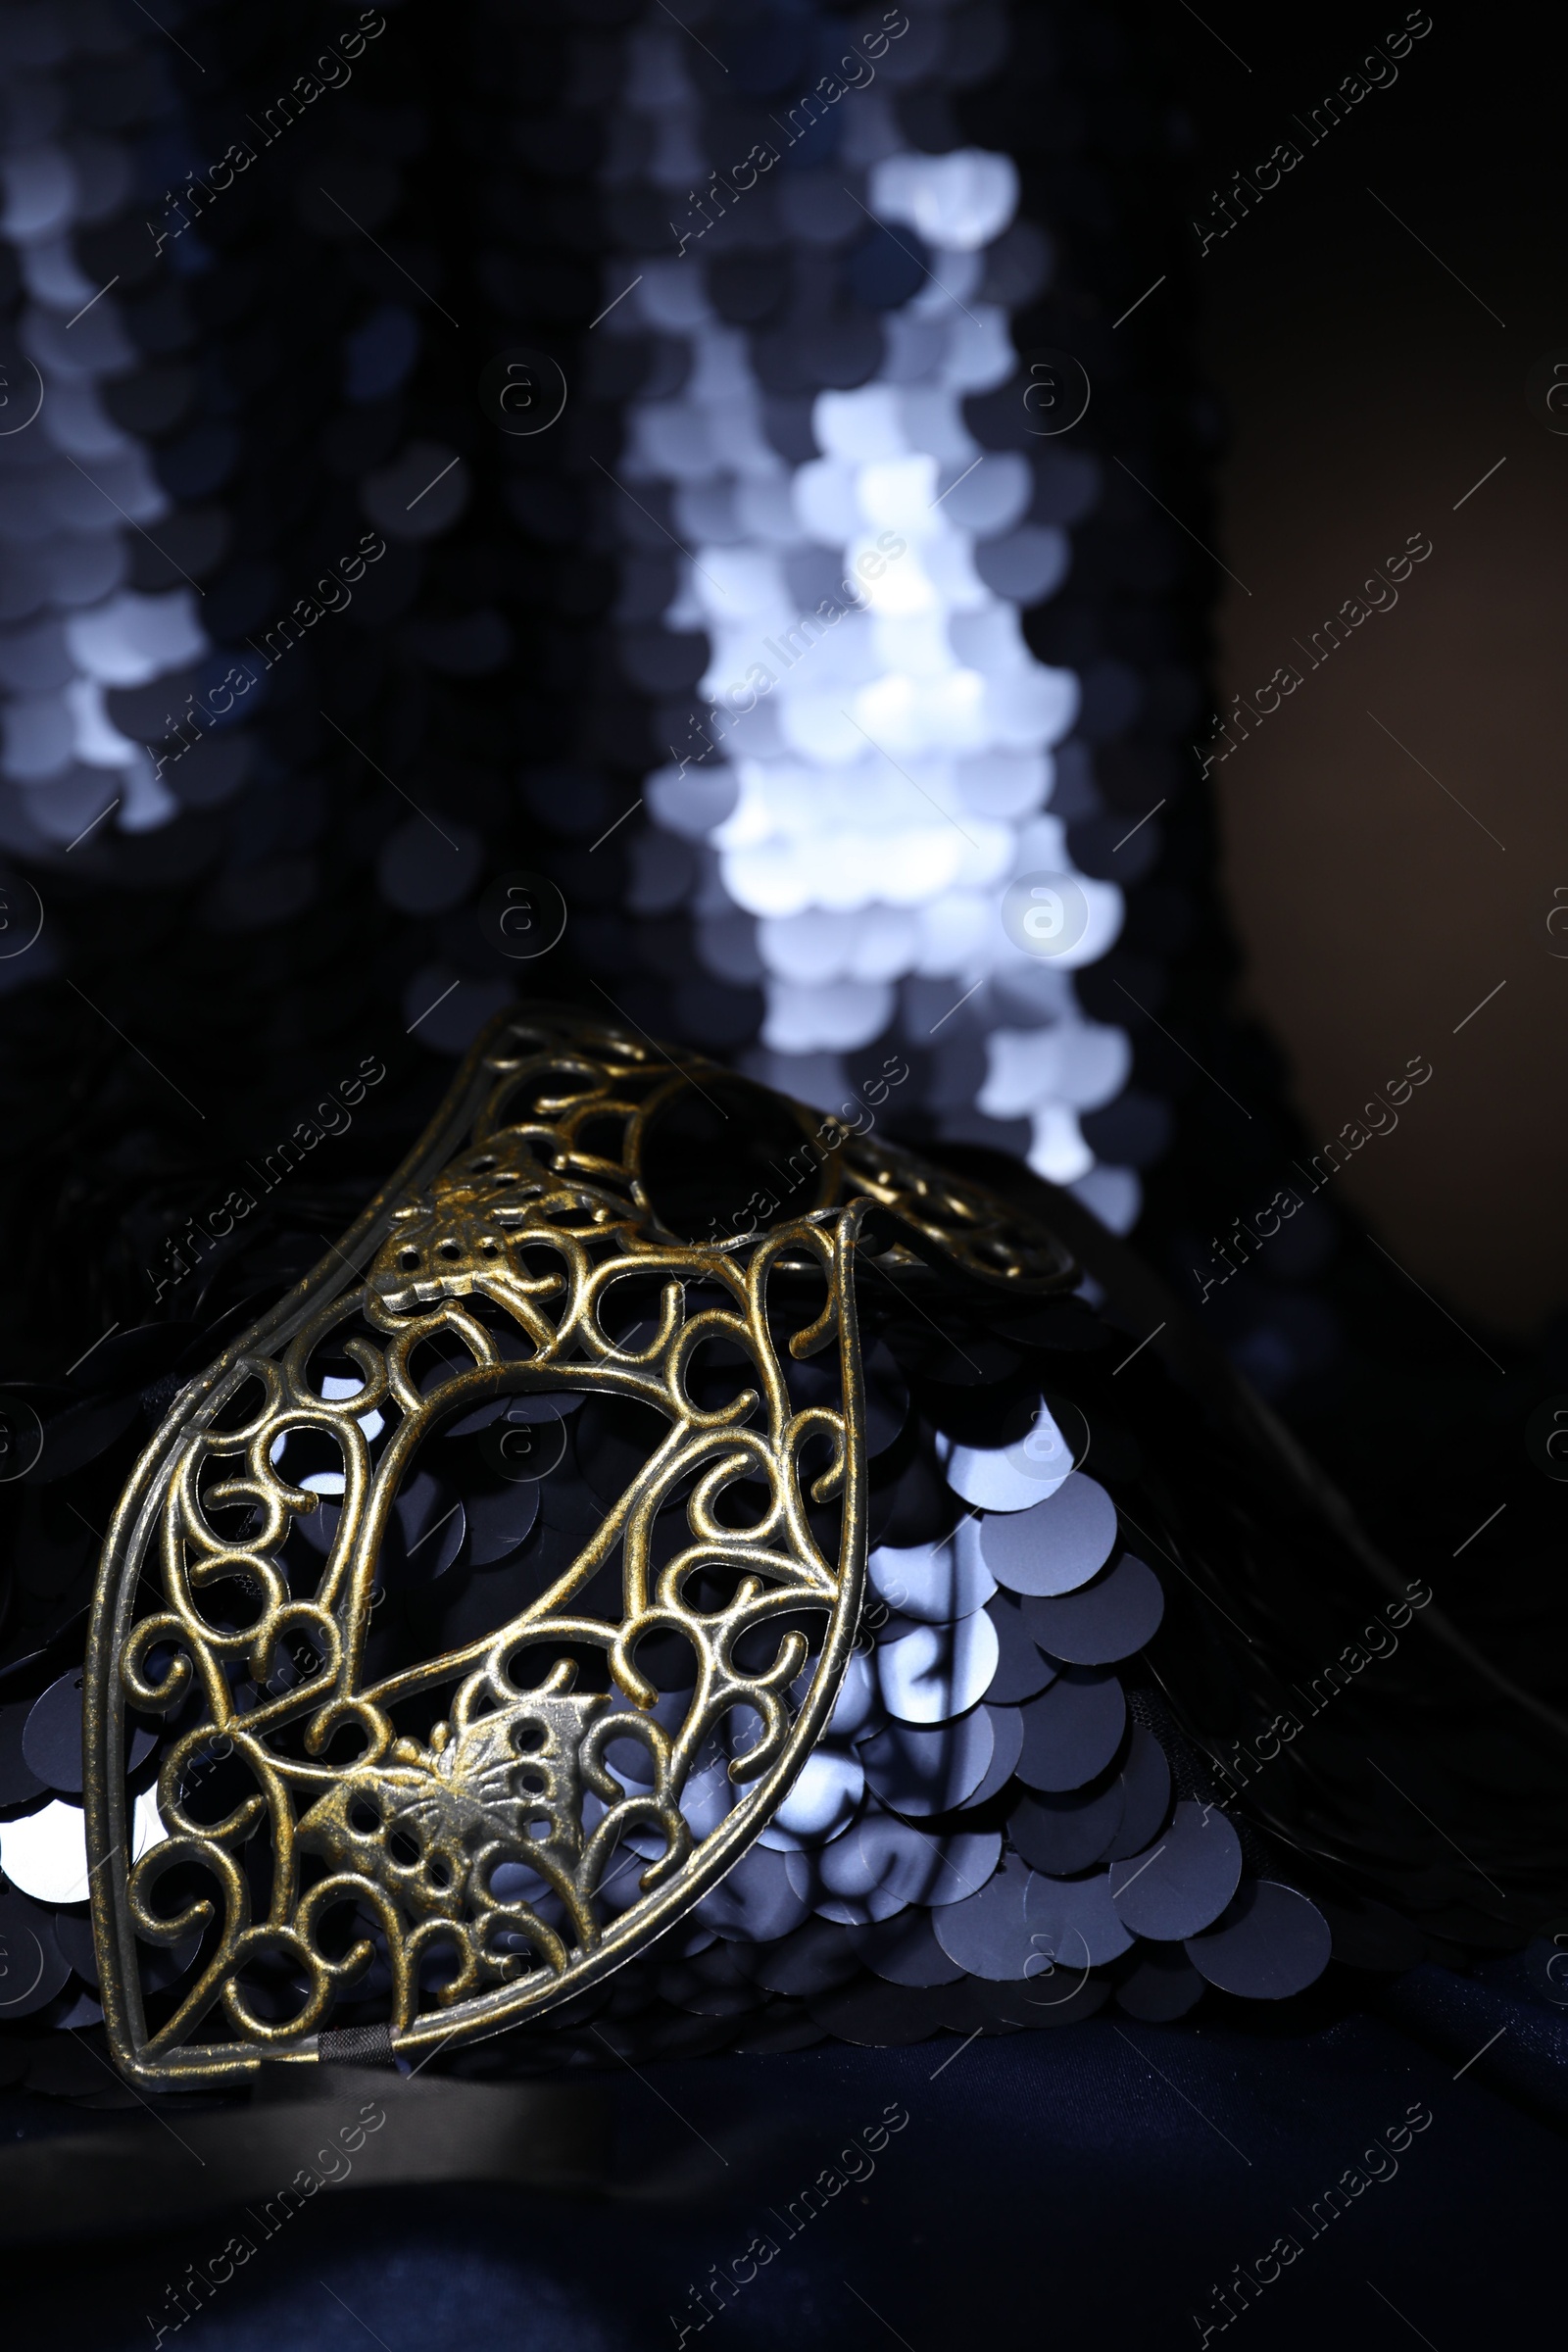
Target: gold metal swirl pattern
(977,1232)
(518,1235)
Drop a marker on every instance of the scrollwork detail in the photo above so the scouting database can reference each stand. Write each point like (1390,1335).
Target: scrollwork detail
(478,1847)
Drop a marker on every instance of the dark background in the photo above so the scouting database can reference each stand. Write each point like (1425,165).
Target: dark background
(1367,390)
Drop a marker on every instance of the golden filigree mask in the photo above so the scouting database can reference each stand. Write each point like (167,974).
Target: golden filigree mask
(496,1826)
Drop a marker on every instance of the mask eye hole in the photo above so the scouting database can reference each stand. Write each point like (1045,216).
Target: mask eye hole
(730,1147)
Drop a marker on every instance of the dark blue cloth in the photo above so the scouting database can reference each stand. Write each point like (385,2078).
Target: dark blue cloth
(1090,2186)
